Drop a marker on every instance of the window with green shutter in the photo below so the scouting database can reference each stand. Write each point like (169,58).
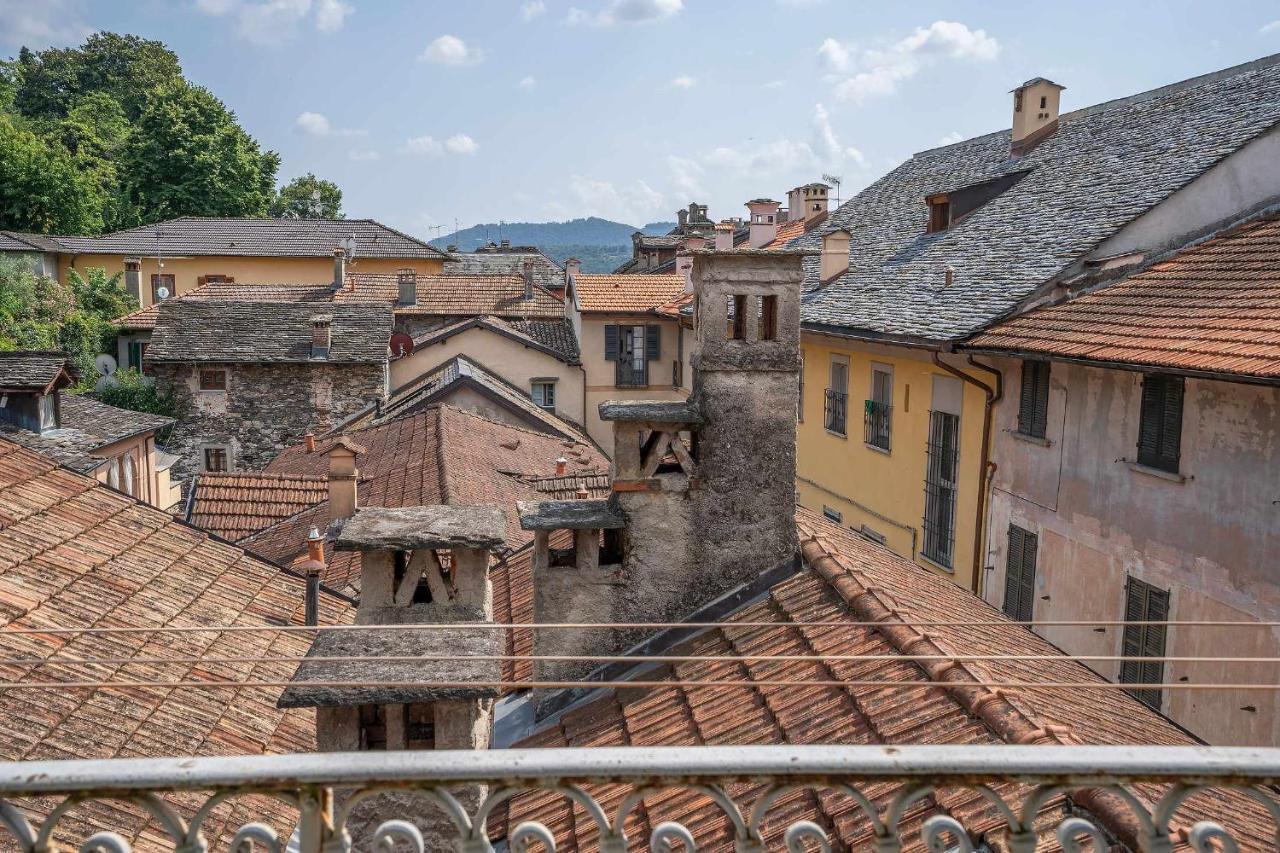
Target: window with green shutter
(1020,574)
(1160,422)
(1033,404)
(1144,603)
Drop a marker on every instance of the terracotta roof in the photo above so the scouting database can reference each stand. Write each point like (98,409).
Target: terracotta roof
(34,371)
(235,505)
(145,318)
(849,578)
(75,553)
(625,293)
(499,295)
(1213,307)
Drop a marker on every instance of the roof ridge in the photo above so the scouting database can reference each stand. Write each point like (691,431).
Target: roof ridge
(506,425)
(442,473)
(1006,720)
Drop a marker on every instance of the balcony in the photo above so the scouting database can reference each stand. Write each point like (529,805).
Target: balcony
(631,374)
(877,424)
(836,412)
(743,799)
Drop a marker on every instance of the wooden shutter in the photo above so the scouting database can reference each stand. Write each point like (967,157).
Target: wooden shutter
(652,341)
(1160,423)
(611,343)
(1144,602)
(1171,423)
(1020,574)
(1033,404)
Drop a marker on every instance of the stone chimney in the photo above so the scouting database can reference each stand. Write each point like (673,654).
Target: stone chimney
(1035,114)
(407,286)
(835,255)
(764,221)
(724,236)
(526,268)
(562,466)
(321,335)
(807,202)
(682,218)
(309,441)
(343,478)
(572,269)
(339,268)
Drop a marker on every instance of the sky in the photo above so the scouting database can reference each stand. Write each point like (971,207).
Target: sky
(426,113)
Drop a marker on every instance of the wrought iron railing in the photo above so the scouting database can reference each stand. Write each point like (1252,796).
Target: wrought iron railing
(837,411)
(1149,790)
(630,373)
(877,424)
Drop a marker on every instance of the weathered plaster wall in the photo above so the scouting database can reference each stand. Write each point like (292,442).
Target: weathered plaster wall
(1213,539)
(265,408)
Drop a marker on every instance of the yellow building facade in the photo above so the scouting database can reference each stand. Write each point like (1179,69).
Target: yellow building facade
(905,465)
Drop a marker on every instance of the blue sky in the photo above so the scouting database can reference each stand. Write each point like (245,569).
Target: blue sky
(424,112)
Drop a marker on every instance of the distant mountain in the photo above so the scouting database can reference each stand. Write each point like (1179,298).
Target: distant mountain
(600,244)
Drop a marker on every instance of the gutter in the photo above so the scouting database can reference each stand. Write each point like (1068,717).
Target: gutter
(1213,375)
(993,396)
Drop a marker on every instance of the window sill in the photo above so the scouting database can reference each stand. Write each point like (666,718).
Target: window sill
(935,564)
(877,448)
(1031,439)
(1171,476)
(843,435)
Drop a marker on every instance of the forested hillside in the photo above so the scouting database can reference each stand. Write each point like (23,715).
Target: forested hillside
(600,244)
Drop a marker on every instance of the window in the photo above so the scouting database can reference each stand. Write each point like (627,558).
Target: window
(420,725)
(1044,102)
(1144,603)
(879,408)
(544,394)
(767,312)
(137,353)
(832,514)
(113,474)
(373,727)
(737,308)
(1020,574)
(1160,422)
(940,487)
(837,402)
(158,281)
(213,380)
(130,484)
(631,348)
(215,459)
(1033,405)
(939,212)
(48,412)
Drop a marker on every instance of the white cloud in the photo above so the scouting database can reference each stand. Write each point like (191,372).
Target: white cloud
(626,12)
(41,24)
(1271,27)
(527,83)
(686,177)
(635,204)
(774,84)
(460,143)
(880,70)
(684,82)
(450,50)
(532,9)
(829,147)
(422,145)
(363,155)
(951,138)
(787,156)
(318,124)
(272,22)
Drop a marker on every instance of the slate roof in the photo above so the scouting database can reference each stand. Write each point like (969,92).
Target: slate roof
(1103,167)
(625,293)
(33,371)
(234,505)
(19,241)
(554,337)
(86,425)
(145,318)
(209,330)
(1213,307)
(546,272)
(283,238)
(76,553)
(444,295)
(848,578)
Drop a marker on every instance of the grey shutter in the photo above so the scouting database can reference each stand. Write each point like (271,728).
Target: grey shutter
(1020,574)
(1013,572)
(652,342)
(1033,403)
(1149,421)
(1144,602)
(1171,423)
(1160,427)
(610,343)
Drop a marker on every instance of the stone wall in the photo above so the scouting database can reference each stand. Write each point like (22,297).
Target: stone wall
(265,408)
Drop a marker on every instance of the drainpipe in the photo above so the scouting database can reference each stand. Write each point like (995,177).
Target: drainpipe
(993,395)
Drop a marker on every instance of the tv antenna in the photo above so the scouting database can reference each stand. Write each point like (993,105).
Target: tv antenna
(834,180)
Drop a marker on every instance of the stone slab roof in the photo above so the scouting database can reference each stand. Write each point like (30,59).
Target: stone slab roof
(20,241)
(145,318)
(848,578)
(86,426)
(208,330)
(409,528)
(1213,308)
(625,294)
(234,505)
(1103,167)
(546,272)
(554,337)
(33,371)
(446,295)
(76,553)
(283,238)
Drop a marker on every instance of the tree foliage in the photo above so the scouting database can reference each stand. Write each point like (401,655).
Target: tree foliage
(308,197)
(41,188)
(139,393)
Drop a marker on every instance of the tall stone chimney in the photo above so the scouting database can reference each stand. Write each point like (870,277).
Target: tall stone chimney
(764,221)
(321,335)
(682,218)
(807,202)
(1035,114)
(526,268)
(339,268)
(835,255)
(572,269)
(344,477)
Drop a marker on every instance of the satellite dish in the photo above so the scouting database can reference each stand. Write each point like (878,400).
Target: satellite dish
(162,293)
(106,364)
(105,382)
(401,344)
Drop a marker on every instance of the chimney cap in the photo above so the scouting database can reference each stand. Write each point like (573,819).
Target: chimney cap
(414,527)
(347,444)
(725,225)
(1034,80)
(763,201)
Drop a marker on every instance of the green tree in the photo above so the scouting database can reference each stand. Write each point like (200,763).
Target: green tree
(188,156)
(100,294)
(308,197)
(41,188)
(139,393)
(125,67)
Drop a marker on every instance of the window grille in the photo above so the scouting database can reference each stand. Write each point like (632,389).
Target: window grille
(943,457)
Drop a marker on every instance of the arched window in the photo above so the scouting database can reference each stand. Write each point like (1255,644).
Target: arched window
(113,475)
(130,477)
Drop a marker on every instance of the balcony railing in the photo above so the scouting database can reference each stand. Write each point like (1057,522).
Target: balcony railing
(1146,789)
(837,410)
(877,420)
(630,374)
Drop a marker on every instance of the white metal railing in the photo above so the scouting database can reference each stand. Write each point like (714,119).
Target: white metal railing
(1166,777)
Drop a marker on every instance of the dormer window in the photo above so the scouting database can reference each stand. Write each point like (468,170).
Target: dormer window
(939,212)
